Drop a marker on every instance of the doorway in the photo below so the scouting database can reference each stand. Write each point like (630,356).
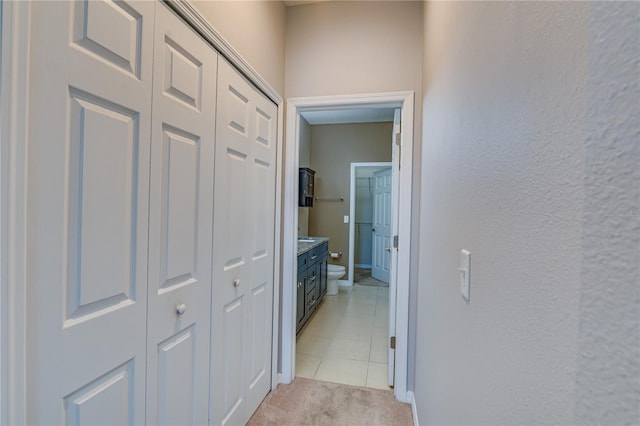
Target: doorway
(363,252)
(402,154)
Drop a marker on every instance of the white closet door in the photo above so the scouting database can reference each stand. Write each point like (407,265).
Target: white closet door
(243,249)
(90,102)
(180,223)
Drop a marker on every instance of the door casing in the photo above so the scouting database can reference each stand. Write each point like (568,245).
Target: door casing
(296,106)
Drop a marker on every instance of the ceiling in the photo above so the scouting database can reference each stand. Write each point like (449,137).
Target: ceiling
(343,116)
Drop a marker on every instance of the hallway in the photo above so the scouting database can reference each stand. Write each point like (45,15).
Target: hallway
(346,340)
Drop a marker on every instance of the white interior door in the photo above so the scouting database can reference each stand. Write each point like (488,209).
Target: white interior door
(395,214)
(180,223)
(381,230)
(88,183)
(243,249)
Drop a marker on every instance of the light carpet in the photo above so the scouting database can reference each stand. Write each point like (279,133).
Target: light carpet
(312,402)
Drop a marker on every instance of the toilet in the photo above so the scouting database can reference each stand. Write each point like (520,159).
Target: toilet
(334,273)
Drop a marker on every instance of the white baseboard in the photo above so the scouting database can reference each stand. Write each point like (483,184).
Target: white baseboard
(414,410)
(362,265)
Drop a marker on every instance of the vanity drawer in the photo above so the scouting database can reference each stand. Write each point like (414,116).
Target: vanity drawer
(312,280)
(313,255)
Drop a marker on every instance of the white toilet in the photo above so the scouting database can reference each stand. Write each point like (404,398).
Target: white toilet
(334,273)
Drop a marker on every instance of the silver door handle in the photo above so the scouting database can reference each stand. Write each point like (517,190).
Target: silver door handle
(236,282)
(387,249)
(181,308)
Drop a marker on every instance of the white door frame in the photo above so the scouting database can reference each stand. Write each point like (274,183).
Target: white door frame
(295,106)
(13,209)
(352,213)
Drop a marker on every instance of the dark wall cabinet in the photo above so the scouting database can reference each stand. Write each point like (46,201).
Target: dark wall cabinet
(306,189)
(312,282)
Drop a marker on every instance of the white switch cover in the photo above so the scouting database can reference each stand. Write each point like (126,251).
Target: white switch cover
(465,274)
(346,219)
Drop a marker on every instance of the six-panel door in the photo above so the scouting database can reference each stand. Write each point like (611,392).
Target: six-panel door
(88,197)
(243,248)
(180,223)
(381,246)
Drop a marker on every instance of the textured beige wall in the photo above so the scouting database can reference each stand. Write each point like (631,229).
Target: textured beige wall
(531,162)
(256,29)
(333,148)
(345,47)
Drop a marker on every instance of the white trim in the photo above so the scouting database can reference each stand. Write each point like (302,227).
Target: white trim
(277,258)
(13,198)
(289,251)
(414,409)
(361,265)
(191,15)
(352,212)
(405,101)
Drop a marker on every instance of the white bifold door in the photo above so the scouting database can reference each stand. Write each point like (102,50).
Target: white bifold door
(180,224)
(88,205)
(243,249)
(150,285)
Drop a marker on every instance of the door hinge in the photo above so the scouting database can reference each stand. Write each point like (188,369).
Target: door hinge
(392,343)
(395,241)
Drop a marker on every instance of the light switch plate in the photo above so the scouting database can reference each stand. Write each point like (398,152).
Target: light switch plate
(465,274)
(346,219)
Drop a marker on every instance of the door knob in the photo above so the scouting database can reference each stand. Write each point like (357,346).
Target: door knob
(236,282)
(181,308)
(388,249)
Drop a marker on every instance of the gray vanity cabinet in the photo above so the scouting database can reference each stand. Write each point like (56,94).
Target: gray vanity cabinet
(311,284)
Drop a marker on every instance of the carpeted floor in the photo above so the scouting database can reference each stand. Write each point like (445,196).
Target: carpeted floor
(312,402)
(363,276)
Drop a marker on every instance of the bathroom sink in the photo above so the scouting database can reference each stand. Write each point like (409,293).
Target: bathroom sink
(306,240)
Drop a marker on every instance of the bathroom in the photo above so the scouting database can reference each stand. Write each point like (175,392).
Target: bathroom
(346,339)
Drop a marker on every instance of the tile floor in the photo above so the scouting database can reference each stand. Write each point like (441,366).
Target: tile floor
(346,339)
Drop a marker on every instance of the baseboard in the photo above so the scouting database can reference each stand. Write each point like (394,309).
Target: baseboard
(344,283)
(414,410)
(362,265)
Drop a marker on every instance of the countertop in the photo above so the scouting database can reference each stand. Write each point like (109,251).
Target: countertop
(305,247)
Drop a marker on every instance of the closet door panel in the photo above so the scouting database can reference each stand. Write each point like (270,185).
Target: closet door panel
(231,259)
(180,221)
(261,246)
(243,249)
(90,102)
